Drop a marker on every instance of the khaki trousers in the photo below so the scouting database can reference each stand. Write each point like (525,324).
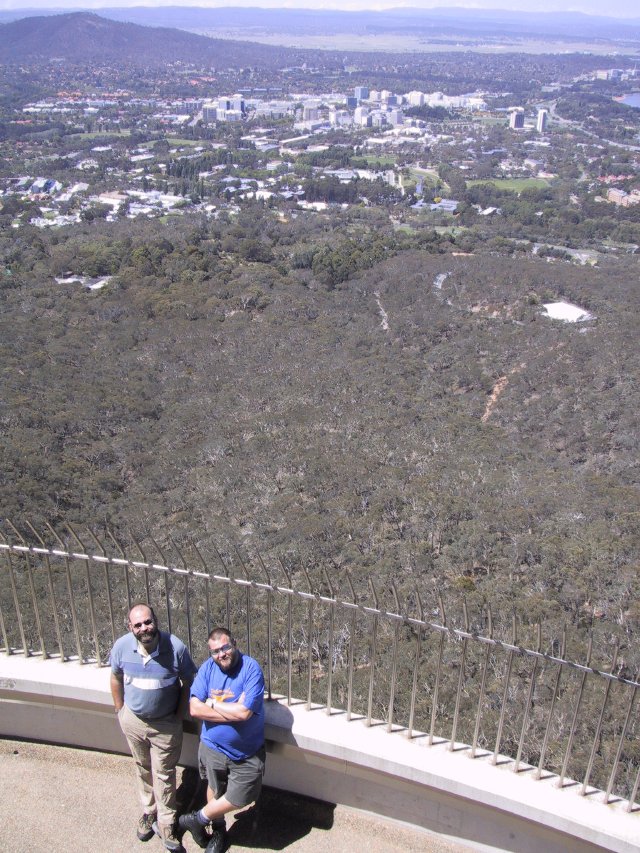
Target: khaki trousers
(155,746)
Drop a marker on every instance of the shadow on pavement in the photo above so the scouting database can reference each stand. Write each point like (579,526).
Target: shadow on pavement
(277,820)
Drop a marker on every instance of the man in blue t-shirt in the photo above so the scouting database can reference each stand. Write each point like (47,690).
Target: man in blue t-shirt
(228,696)
(151,672)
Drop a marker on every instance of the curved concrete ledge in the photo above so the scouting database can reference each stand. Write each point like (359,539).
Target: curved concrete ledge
(324,756)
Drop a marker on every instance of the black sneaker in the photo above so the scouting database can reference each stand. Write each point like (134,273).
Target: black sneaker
(191,822)
(217,840)
(145,827)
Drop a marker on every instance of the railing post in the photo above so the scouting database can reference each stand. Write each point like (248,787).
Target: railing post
(596,736)
(34,598)
(372,651)
(436,687)
(574,722)
(352,644)
(394,666)
(92,614)
(310,614)
(485,666)
(505,692)
(107,583)
(416,665)
(330,643)
(463,659)
(269,631)
(554,697)
(72,601)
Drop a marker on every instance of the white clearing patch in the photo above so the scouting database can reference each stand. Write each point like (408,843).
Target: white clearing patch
(566,312)
(440,280)
(384,323)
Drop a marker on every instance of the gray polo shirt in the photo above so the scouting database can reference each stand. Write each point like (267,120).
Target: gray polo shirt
(152,684)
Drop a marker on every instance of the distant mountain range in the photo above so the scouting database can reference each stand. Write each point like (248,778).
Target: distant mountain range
(481,22)
(87,37)
(155,36)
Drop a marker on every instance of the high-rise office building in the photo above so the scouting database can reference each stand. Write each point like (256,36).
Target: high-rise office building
(541,121)
(516,119)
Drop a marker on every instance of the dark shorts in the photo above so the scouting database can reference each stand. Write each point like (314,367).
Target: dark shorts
(239,781)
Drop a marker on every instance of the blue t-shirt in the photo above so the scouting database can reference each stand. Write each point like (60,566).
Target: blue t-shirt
(152,690)
(237,740)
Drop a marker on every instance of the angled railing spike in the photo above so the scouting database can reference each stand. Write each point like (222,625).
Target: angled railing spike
(16,602)
(505,693)
(207,586)
(227,614)
(461,673)
(185,582)
(310,613)
(436,686)
(416,665)
(167,591)
(70,592)
(373,640)
(483,685)
(289,631)
(529,700)
(269,592)
(145,568)
(574,721)
(247,594)
(125,568)
(394,659)
(330,641)
(107,583)
(52,592)
(92,611)
(352,644)
(596,735)
(621,741)
(32,590)
(554,698)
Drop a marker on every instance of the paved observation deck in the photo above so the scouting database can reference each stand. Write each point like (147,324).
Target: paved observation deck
(394,794)
(75,800)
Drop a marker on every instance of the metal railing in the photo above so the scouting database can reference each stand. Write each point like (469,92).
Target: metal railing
(68,595)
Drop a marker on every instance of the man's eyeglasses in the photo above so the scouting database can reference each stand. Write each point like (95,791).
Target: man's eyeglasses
(144,622)
(221,651)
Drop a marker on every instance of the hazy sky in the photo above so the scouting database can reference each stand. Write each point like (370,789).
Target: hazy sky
(612,8)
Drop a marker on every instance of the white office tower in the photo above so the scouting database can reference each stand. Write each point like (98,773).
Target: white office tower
(360,116)
(541,121)
(516,119)
(310,111)
(395,117)
(361,93)
(374,95)
(416,99)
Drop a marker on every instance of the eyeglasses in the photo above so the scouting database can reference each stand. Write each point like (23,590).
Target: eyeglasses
(144,622)
(221,651)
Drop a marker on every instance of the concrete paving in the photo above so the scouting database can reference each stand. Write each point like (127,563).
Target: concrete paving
(55,798)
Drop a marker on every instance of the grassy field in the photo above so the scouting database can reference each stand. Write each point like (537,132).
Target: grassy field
(99,134)
(180,143)
(516,185)
(381,159)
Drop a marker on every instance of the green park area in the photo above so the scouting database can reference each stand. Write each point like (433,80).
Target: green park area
(516,185)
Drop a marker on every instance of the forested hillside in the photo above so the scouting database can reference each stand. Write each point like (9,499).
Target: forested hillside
(328,390)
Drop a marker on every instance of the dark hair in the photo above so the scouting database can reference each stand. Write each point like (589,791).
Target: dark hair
(218,632)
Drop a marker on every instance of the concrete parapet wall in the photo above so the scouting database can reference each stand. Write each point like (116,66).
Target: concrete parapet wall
(325,756)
